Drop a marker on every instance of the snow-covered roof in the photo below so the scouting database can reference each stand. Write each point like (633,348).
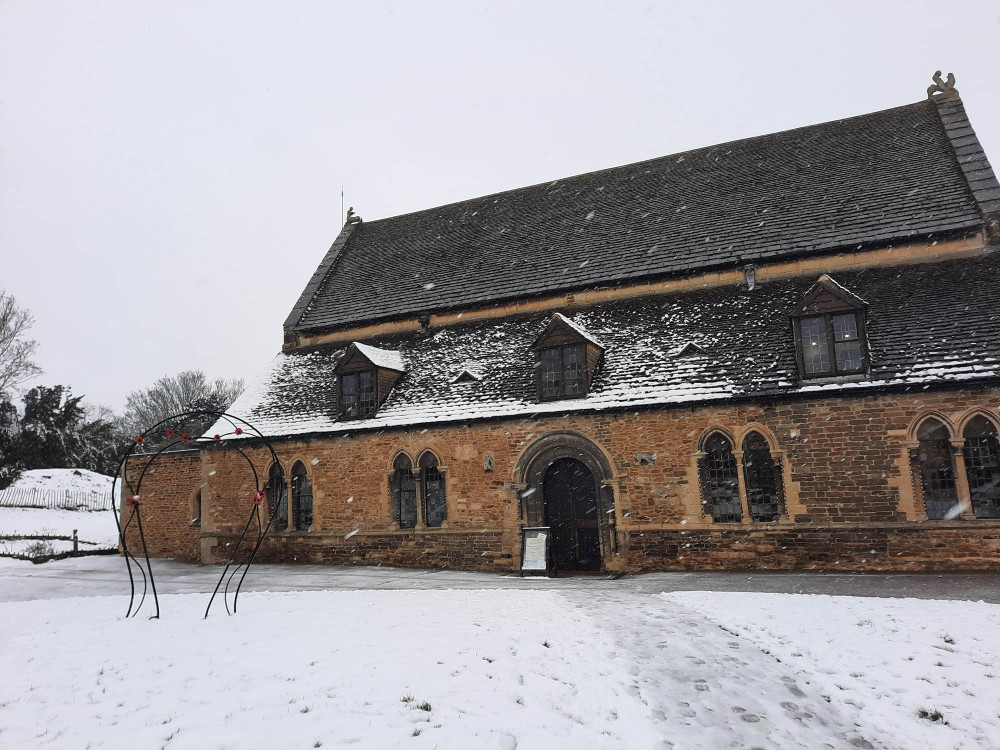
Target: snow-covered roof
(927,325)
(387,358)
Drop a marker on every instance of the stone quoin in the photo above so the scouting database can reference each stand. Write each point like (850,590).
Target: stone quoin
(777,353)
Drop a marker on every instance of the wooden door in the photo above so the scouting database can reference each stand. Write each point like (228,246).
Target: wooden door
(569,495)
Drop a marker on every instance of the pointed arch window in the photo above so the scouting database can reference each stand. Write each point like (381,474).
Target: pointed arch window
(403,487)
(982,466)
(937,469)
(302,497)
(762,477)
(277,497)
(432,490)
(719,480)
(196,508)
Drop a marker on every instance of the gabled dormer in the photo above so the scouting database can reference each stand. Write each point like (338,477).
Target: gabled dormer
(567,358)
(365,376)
(829,329)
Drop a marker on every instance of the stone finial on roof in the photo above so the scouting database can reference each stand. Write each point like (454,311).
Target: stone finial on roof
(942,89)
(352,218)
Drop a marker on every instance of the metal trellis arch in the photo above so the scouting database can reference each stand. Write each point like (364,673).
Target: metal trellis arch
(172,428)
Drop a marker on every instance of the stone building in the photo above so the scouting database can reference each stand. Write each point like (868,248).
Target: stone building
(781,352)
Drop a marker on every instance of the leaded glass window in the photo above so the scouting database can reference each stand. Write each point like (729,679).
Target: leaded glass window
(846,344)
(762,477)
(358,396)
(563,372)
(277,497)
(815,347)
(720,483)
(982,466)
(551,373)
(433,490)
(575,369)
(302,497)
(831,344)
(937,472)
(404,492)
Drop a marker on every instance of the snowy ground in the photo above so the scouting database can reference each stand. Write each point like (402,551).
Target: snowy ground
(890,658)
(501,668)
(66,480)
(95,529)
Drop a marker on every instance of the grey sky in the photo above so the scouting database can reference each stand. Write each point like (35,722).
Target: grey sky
(170,172)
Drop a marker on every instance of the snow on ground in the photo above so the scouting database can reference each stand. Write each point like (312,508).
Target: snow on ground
(446,669)
(68,480)
(889,659)
(95,527)
(499,669)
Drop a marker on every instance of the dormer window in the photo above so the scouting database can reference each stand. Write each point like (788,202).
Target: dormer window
(829,329)
(567,359)
(365,375)
(563,372)
(357,395)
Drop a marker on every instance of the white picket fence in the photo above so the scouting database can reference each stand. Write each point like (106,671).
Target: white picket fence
(35,498)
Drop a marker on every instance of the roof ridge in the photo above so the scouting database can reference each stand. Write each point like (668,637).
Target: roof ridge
(631,165)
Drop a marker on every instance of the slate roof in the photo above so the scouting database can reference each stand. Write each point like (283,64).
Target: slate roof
(928,324)
(877,179)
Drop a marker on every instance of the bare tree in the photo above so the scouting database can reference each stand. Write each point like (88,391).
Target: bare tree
(186,391)
(16,349)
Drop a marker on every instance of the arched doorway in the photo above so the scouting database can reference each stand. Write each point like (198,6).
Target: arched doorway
(565,482)
(569,499)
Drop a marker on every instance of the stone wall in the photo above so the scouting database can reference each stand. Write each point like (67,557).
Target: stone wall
(168,504)
(850,497)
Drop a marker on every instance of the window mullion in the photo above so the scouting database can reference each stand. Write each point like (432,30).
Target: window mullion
(562,371)
(741,487)
(420,488)
(831,344)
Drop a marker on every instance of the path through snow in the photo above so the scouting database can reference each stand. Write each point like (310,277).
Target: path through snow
(707,688)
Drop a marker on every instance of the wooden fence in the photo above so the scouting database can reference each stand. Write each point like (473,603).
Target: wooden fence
(35,498)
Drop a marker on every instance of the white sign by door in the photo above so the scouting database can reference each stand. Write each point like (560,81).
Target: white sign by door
(534,550)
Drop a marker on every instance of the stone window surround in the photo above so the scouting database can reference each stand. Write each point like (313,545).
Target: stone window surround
(418,477)
(286,465)
(789,506)
(956,431)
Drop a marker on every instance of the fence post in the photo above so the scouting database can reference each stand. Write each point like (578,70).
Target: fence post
(76,542)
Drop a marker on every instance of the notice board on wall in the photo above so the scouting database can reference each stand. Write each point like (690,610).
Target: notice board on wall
(535,549)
